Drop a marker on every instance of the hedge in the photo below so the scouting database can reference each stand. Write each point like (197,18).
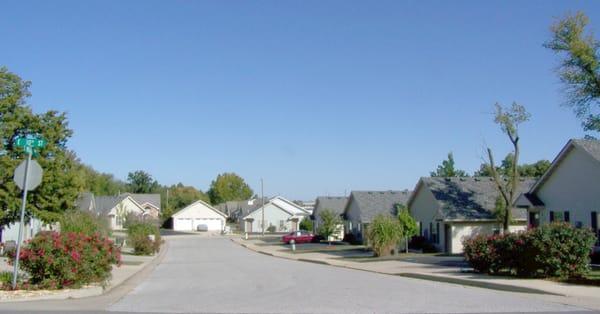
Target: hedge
(555,250)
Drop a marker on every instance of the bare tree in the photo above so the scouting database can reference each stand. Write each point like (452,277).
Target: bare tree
(509,119)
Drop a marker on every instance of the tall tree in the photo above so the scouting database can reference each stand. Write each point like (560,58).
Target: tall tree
(99,183)
(60,184)
(229,187)
(141,182)
(180,196)
(580,67)
(508,119)
(447,169)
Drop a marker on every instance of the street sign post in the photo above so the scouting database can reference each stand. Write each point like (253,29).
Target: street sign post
(27,176)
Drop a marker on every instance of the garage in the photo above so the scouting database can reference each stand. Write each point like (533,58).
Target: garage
(199,216)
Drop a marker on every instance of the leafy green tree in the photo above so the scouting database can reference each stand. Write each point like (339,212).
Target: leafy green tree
(384,233)
(99,183)
(508,119)
(60,183)
(447,169)
(229,187)
(180,196)
(329,224)
(407,224)
(580,67)
(306,224)
(534,170)
(141,182)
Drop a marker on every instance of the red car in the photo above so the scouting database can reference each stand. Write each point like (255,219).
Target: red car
(299,237)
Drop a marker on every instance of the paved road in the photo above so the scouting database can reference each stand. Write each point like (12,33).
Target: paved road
(216,275)
(203,275)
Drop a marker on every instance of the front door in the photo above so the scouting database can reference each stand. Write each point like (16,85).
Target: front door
(534,220)
(248,226)
(448,238)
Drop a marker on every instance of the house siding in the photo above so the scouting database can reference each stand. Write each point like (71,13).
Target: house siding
(574,186)
(353,220)
(273,216)
(425,210)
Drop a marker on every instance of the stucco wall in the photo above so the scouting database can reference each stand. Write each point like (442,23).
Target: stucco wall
(574,186)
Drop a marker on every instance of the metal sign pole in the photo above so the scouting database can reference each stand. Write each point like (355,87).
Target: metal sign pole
(16,269)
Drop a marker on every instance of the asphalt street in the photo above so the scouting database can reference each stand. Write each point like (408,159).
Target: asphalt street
(214,275)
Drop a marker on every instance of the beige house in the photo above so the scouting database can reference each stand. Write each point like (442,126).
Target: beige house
(363,206)
(449,210)
(334,203)
(569,190)
(117,208)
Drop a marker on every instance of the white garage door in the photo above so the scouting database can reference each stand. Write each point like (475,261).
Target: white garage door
(213,224)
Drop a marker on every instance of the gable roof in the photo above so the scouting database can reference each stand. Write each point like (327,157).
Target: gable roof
(371,203)
(283,204)
(334,203)
(199,202)
(590,147)
(470,198)
(153,199)
(86,201)
(105,203)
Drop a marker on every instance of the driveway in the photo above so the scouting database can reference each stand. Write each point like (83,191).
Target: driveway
(216,275)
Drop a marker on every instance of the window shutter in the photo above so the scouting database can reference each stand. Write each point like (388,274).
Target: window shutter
(594,221)
(437,233)
(551,216)
(567,216)
(430,231)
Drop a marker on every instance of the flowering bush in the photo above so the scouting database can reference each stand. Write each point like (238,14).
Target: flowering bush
(555,250)
(59,260)
(138,237)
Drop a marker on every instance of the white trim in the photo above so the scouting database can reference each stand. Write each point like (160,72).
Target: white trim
(177,214)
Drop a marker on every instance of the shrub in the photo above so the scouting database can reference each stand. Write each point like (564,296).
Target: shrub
(384,234)
(271,228)
(138,237)
(330,224)
(555,250)
(58,260)
(78,221)
(421,243)
(351,238)
(306,224)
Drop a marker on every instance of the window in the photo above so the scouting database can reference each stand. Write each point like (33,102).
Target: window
(437,233)
(551,216)
(358,227)
(566,216)
(420,228)
(350,225)
(281,224)
(431,236)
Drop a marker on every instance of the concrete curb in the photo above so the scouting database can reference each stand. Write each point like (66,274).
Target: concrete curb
(91,291)
(445,279)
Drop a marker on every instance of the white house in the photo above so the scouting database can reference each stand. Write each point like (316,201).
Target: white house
(449,210)
(335,204)
(199,215)
(116,209)
(279,212)
(569,190)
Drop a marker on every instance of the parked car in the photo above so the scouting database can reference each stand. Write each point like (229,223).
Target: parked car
(299,237)
(202,228)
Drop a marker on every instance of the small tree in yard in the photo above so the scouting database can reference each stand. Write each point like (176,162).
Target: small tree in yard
(330,223)
(509,120)
(384,234)
(306,224)
(407,223)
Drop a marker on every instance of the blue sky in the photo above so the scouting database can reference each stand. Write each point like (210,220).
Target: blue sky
(316,97)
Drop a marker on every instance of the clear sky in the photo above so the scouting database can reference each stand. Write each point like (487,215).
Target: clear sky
(316,97)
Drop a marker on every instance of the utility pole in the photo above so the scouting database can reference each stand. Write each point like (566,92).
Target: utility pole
(167,200)
(262,197)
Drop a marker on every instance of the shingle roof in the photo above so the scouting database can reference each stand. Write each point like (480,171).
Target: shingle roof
(153,199)
(592,147)
(472,197)
(85,201)
(334,203)
(105,203)
(371,203)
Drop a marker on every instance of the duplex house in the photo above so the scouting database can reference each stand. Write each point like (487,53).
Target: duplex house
(282,214)
(363,206)
(336,204)
(449,210)
(569,191)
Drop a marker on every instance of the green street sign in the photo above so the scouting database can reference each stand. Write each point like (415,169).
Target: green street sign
(30,142)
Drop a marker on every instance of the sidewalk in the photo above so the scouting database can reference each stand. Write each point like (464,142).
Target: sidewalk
(131,264)
(586,296)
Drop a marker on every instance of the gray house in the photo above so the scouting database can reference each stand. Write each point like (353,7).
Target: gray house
(449,210)
(334,203)
(569,190)
(363,206)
